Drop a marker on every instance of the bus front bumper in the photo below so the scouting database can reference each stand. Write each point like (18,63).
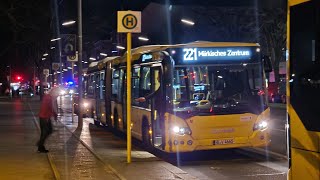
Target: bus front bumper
(188,144)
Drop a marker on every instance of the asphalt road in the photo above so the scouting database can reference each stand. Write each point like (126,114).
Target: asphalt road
(278,130)
(268,163)
(238,163)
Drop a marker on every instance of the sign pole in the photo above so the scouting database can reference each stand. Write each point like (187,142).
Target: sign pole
(72,99)
(129,97)
(80,118)
(129,22)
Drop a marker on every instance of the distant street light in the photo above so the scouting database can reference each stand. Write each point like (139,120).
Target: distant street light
(52,47)
(67,23)
(188,22)
(46,54)
(92,58)
(143,38)
(114,51)
(121,47)
(103,54)
(56,39)
(43,59)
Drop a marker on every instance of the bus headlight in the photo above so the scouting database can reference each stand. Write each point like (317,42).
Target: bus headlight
(181,130)
(62,92)
(85,104)
(260,125)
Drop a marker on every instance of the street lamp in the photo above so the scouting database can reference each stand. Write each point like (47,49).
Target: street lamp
(56,39)
(103,54)
(92,58)
(121,47)
(143,38)
(67,23)
(188,22)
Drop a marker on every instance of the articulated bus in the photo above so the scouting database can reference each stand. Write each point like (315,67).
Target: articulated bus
(187,97)
(303,88)
(94,91)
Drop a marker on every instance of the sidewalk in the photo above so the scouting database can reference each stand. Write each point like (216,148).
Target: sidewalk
(95,153)
(18,136)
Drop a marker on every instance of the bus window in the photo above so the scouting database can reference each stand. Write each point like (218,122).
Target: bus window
(220,87)
(135,85)
(122,86)
(91,86)
(145,85)
(102,86)
(97,85)
(179,84)
(115,84)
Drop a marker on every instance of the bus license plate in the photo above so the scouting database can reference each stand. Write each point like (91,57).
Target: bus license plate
(224,141)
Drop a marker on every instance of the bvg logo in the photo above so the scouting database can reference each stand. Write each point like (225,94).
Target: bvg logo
(129,21)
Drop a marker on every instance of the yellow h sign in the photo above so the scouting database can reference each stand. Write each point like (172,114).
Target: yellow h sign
(129,21)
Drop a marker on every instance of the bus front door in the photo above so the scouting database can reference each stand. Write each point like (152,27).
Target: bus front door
(157,105)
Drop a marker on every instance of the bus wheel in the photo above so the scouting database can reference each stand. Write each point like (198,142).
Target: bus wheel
(146,138)
(96,122)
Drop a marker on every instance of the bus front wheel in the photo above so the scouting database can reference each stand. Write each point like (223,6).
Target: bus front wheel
(146,138)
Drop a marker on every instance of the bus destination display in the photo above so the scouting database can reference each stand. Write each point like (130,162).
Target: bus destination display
(214,54)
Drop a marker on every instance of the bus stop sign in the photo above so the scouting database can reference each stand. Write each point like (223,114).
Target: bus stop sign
(129,21)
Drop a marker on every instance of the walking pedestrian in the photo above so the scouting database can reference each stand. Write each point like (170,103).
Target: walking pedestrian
(48,109)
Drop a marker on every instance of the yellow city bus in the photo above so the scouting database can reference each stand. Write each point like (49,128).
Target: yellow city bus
(93,104)
(188,97)
(303,88)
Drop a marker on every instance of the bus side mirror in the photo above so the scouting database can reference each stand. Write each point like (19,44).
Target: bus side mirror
(267,64)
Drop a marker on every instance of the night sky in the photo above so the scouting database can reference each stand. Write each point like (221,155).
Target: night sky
(25,23)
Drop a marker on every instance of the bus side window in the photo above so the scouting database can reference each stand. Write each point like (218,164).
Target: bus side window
(145,86)
(90,86)
(115,85)
(135,86)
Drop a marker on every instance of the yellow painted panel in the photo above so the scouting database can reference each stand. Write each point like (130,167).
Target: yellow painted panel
(300,137)
(305,165)
(295,2)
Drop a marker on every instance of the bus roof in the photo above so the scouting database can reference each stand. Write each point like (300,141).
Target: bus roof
(137,52)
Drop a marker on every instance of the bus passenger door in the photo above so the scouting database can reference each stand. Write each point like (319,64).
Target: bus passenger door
(97,93)
(157,104)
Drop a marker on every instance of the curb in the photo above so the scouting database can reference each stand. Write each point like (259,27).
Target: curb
(96,155)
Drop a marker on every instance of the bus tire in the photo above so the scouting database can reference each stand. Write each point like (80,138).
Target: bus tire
(97,123)
(146,138)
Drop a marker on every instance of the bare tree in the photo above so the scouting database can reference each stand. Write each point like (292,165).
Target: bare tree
(265,26)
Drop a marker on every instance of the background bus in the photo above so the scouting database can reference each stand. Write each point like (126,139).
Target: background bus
(205,95)
(303,87)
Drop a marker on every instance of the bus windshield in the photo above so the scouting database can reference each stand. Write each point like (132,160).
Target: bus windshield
(219,89)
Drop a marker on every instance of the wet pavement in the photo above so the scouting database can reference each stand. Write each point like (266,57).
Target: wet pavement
(75,153)
(94,152)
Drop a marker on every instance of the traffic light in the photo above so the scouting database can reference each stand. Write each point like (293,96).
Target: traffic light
(19,78)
